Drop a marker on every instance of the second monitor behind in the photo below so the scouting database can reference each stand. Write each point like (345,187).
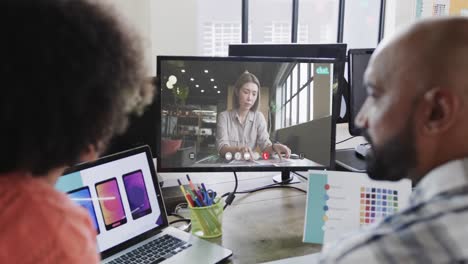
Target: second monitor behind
(358,59)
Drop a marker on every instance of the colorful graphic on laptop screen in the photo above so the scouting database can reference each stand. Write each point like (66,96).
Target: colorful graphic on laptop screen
(119,196)
(137,194)
(82,196)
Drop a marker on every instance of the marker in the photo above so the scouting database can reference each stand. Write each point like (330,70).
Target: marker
(181,187)
(203,186)
(197,201)
(191,183)
(189,200)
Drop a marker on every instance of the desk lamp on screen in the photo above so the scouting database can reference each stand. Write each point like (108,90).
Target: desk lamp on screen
(357,64)
(206,119)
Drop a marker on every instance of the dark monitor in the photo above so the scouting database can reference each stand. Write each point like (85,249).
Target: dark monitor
(200,113)
(335,51)
(357,64)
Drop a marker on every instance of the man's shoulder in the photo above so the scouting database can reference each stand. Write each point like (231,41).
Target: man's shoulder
(422,232)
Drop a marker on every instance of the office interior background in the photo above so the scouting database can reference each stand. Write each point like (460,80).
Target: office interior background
(207,27)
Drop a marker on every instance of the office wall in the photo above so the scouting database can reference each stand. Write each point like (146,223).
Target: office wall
(137,15)
(312,139)
(172,28)
(399,14)
(459,7)
(167,26)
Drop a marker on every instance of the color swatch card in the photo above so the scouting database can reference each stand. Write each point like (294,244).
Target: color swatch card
(341,202)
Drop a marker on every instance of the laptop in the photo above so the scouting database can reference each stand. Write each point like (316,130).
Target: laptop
(124,200)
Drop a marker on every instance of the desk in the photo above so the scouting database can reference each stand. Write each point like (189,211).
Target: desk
(262,226)
(266,225)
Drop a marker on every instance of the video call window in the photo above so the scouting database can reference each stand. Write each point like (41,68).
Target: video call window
(201,99)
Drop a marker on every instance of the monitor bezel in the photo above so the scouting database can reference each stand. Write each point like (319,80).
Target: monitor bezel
(157,99)
(353,130)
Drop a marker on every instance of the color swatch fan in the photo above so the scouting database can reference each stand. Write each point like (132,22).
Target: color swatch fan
(342,202)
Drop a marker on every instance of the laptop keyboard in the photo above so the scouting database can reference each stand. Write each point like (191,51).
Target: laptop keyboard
(155,251)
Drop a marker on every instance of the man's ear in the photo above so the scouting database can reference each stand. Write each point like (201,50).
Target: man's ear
(90,154)
(440,107)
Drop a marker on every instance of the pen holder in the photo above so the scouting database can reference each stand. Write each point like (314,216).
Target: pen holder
(207,221)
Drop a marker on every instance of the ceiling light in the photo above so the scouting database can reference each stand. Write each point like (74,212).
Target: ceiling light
(206,71)
(212,79)
(216,87)
(182,70)
(196,85)
(219,91)
(202,91)
(192,79)
(172,79)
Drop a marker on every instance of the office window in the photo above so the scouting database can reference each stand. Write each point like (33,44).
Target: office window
(296,96)
(318,21)
(401,13)
(294,76)
(218,35)
(304,85)
(270,21)
(361,23)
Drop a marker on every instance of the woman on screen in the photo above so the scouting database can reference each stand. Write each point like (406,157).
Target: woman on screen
(243,129)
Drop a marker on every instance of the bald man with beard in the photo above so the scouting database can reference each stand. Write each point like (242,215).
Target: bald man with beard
(416,119)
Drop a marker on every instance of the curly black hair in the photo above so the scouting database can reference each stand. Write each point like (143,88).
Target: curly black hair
(70,74)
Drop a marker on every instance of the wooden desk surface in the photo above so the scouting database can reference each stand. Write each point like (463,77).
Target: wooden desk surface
(261,226)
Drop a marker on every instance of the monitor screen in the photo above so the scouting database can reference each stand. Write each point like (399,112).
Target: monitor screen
(223,112)
(357,64)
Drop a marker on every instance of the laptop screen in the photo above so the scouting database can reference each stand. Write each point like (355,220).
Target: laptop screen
(119,194)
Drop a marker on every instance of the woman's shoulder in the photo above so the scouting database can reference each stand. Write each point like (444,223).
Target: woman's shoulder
(258,115)
(226,113)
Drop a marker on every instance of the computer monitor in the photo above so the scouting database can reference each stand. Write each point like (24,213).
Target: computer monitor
(200,105)
(335,50)
(332,50)
(357,64)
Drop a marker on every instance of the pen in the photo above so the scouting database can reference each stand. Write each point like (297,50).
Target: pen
(195,192)
(205,194)
(194,198)
(197,202)
(181,187)
(189,200)
(190,183)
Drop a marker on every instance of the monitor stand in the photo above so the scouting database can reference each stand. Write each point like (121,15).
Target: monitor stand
(285,178)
